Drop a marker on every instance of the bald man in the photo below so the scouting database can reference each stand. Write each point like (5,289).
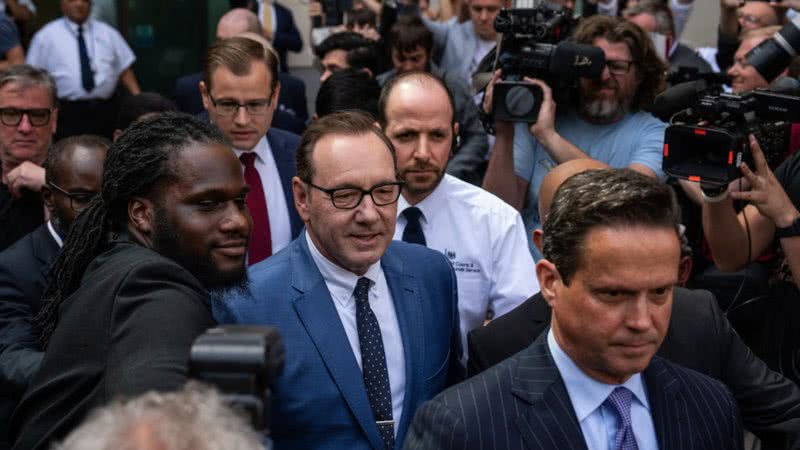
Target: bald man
(769,403)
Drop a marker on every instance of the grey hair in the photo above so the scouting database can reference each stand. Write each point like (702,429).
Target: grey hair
(28,76)
(660,12)
(195,418)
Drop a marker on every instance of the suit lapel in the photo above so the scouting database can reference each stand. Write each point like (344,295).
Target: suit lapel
(45,248)
(284,160)
(547,419)
(409,317)
(665,403)
(314,307)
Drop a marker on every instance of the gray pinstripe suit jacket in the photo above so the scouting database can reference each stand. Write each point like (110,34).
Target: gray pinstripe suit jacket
(522,403)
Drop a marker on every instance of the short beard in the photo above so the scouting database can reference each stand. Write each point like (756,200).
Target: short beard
(166,243)
(603,110)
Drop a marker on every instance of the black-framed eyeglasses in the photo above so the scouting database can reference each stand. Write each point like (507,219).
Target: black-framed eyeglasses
(231,107)
(38,117)
(619,66)
(78,201)
(349,198)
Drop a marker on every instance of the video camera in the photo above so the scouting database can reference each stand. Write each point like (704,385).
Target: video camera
(533,45)
(708,140)
(242,362)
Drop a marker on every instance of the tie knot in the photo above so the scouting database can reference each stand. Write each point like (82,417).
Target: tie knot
(620,400)
(248,159)
(412,213)
(362,289)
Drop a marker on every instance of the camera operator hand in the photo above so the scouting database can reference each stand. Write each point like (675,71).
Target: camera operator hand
(500,178)
(766,193)
(502,128)
(544,129)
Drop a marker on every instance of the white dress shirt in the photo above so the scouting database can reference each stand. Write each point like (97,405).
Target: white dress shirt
(484,239)
(599,422)
(279,226)
(55,49)
(341,285)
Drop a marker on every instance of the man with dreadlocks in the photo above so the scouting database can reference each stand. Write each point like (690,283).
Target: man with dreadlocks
(129,292)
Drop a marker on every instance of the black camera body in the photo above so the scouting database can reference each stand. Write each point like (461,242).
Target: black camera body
(533,45)
(242,362)
(708,142)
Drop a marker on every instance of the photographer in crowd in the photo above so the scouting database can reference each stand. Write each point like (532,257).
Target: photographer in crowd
(606,124)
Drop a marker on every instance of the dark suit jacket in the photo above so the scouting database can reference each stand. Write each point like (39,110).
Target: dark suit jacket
(684,56)
(18,216)
(126,330)
(23,278)
(291,100)
(522,403)
(699,337)
(319,400)
(286,36)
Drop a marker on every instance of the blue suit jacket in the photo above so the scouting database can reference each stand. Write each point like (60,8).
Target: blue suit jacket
(320,401)
(522,403)
(284,146)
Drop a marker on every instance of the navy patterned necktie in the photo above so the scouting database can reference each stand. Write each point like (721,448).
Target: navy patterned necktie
(413,232)
(87,78)
(373,363)
(620,401)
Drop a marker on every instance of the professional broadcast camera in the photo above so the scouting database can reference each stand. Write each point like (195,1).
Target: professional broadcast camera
(532,45)
(242,362)
(708,140)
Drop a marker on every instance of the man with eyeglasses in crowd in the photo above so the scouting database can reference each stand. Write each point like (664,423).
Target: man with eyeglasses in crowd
(28,115)
(370,324)
(240,90)
(606,123)
(74,170)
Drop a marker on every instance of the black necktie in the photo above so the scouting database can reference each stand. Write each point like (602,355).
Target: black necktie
(413,232)
(87,78)
(373,363)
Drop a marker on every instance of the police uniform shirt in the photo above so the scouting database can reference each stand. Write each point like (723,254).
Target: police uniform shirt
(55,49)
(484,239)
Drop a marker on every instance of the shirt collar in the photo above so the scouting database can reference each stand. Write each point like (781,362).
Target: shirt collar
(586,393)
(262,150)
(430,205)
(341,282)
(73,27)
(56,236)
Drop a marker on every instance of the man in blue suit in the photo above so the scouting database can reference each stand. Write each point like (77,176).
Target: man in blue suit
(370,325)
(240,92)
(611,259)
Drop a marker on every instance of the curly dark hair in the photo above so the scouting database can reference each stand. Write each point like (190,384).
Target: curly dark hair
(651,70)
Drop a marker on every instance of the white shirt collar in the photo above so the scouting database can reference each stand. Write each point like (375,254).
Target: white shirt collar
(341,282)
(73,27)
(54,233)
(262,150)
(430,205)
(586,393)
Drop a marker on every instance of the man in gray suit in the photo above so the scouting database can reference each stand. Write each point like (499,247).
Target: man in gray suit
(611,259)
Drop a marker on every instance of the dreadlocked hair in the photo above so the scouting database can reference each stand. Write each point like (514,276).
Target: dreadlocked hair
(136,163)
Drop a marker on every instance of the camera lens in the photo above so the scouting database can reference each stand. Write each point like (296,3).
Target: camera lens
(520,101)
